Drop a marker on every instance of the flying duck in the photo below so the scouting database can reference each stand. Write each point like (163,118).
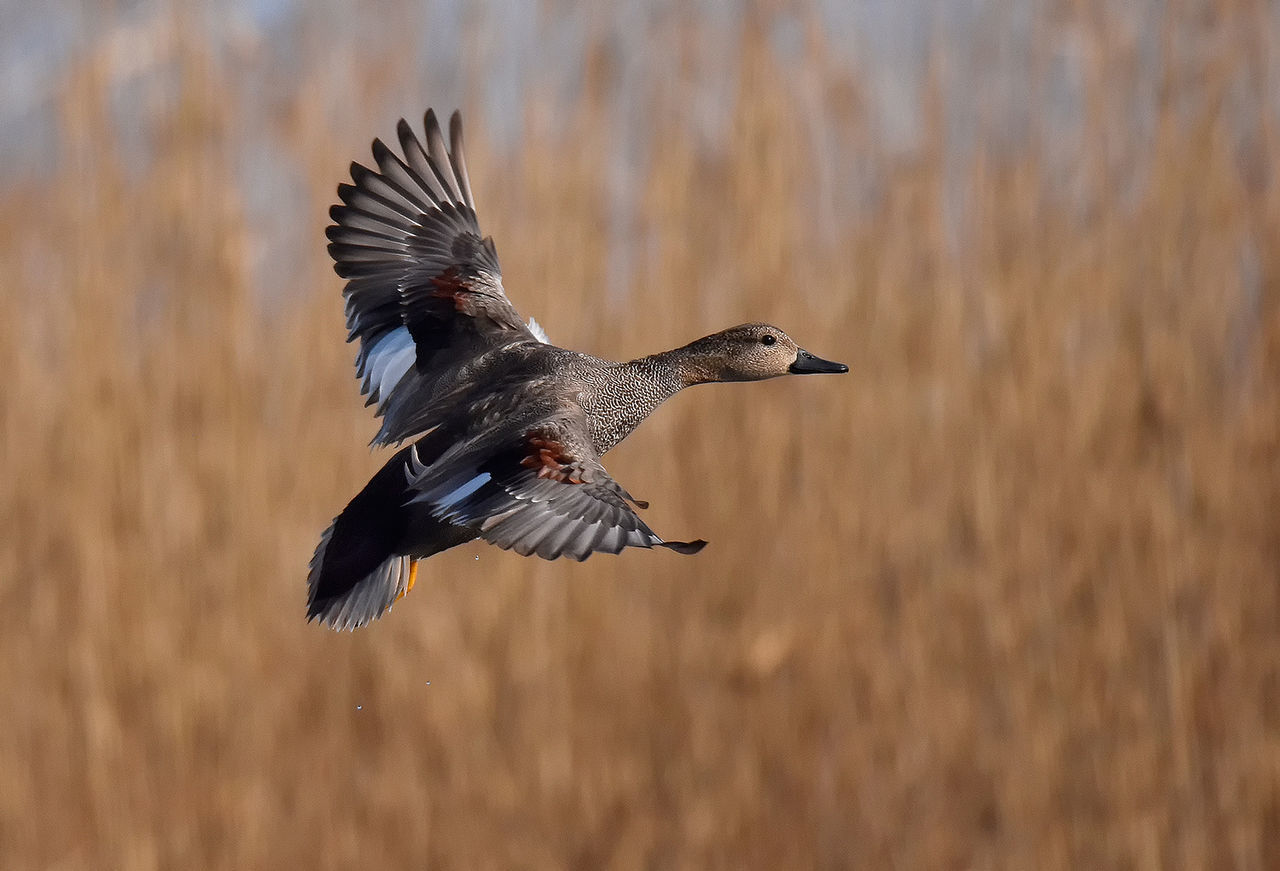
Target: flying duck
(506,430)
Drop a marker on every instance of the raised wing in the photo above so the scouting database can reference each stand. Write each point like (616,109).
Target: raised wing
(537,496)
(424,291)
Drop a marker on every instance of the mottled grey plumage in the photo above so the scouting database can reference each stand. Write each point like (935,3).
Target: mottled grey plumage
(507,429)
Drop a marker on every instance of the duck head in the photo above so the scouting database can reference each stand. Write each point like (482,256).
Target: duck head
(751,352)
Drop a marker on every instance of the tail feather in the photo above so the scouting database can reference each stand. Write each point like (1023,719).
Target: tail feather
(365,560)
(365,600)
(359,568)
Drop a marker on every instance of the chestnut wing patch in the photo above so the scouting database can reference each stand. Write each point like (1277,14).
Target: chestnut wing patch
(537,497)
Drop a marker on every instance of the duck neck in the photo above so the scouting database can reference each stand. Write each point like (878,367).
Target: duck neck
(633,391)
(671,371)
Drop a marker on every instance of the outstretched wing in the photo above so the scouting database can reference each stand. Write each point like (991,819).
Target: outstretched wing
(424,291)
(536,496)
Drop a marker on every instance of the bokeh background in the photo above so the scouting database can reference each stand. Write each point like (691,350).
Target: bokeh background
(1005,596)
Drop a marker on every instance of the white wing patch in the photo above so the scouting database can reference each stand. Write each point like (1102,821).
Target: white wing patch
(387,361)
(538,333)
(462,492)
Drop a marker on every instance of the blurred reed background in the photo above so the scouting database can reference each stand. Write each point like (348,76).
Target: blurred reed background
(1005,596)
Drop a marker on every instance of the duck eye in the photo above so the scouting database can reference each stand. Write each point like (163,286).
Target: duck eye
(767,339)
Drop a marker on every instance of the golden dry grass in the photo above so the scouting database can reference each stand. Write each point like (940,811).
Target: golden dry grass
(1003,597)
